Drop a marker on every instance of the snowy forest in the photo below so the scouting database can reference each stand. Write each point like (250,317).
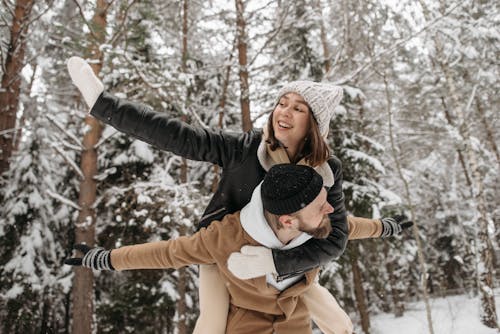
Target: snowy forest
(417,133)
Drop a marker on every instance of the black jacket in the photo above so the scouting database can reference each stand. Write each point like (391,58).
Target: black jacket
(241,173)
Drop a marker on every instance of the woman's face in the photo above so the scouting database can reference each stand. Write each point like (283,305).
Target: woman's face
(291,120)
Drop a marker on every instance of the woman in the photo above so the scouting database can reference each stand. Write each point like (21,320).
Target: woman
(296,132)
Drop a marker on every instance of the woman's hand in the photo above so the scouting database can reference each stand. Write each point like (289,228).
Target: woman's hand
(85,80)
(251,262)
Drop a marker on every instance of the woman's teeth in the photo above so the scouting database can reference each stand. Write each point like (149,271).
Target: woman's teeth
(284,125)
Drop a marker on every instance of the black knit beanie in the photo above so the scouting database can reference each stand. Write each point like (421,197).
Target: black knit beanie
(287,188)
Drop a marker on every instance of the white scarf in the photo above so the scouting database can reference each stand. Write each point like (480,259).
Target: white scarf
(255,224)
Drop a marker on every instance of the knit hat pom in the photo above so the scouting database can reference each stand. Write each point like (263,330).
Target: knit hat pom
(287,188)
(322,97)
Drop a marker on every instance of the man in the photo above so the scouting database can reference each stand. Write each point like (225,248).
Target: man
(287,209)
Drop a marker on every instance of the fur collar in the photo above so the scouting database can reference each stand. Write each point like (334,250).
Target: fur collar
(269,158)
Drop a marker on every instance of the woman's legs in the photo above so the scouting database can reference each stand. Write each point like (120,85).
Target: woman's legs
(214,302)
(325,311)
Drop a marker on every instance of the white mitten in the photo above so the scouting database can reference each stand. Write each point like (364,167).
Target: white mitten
(251,261)
(85,80)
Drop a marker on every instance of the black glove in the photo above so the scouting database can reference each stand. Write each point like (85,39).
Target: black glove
(94,258)
(394,225)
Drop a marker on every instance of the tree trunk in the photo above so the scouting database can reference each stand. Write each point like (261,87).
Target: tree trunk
(222,108)
(11,79)
(489,134)
(416,233)
(246,122)
(181,289)
(83,306)
(182,275)
(324,40)
(398,307)
(359,292)
(485,247)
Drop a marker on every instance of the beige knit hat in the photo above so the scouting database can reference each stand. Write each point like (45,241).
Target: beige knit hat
(322,97)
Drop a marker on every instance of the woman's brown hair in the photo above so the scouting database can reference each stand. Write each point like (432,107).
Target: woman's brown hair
(313,149)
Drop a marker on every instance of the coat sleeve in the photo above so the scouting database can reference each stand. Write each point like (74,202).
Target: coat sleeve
(364,228)
(316,252)
(173,253)
(170,134)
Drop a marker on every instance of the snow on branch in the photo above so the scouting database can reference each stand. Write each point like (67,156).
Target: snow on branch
(104,139)
(471,99)
(70,161)
(89,25)
(197,117)
(154,86)
(7,131)
(60,127)
(388,51)
(63,199)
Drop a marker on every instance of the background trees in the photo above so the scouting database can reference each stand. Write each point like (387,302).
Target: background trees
(431,64)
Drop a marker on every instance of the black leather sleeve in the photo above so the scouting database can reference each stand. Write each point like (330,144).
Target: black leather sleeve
(316,252)
(170,134)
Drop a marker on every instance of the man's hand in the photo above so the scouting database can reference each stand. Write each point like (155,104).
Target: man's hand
(394,225)
(251,261)
(85,80)
(93,258)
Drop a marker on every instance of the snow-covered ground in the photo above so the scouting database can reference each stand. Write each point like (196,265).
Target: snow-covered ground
(450,315)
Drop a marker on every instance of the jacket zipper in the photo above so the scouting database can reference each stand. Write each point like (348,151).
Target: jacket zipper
(212,213)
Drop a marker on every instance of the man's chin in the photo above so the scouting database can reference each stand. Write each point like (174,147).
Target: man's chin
(321,232)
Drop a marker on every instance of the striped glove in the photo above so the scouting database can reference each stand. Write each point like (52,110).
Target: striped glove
(93,258)
(394,225)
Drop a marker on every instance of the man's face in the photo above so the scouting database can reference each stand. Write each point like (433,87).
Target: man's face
(321,231)
(313,218)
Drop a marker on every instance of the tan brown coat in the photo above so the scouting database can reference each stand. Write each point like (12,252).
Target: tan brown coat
(255,304)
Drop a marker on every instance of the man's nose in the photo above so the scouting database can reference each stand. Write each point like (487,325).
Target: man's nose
(328,208)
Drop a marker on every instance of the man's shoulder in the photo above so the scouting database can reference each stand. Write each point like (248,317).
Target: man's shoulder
(229,223)
(229,228)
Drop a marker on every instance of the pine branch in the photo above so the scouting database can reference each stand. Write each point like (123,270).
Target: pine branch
(36,18)
(60,127)
(197,117)
(91,30)
(104,139)
(141,75)
(120,29)
(70,161)
(6,131)
(9,8)
(269,40)
(63,199)
(386,52)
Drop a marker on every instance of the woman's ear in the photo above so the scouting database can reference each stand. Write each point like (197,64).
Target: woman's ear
(288,221)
